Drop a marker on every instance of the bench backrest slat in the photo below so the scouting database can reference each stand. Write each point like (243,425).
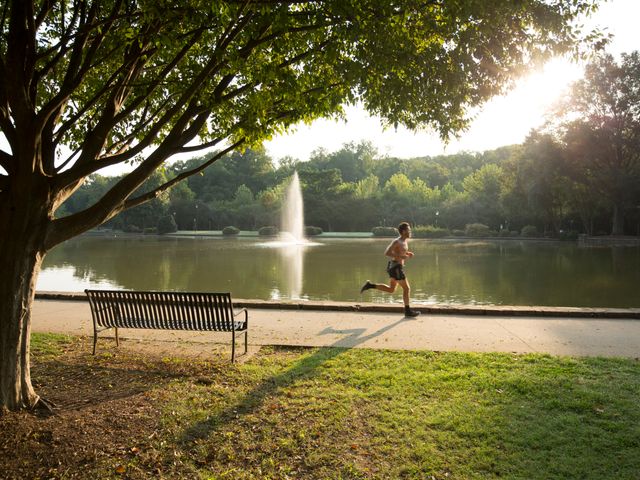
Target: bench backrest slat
(155,309)
(171,313)
(214,303)
(187,309)
(150,308)
(206,316)
(165,310)
(195,312)
(226,303)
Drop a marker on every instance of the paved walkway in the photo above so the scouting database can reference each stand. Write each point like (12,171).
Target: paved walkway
(555,335)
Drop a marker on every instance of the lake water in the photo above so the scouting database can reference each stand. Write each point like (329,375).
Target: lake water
(442,272)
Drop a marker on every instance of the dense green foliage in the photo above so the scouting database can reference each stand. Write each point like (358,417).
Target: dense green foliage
(598,128)
(268,231)
(508,191)
(312,231)
(230,230)
(580,173)
(167,224)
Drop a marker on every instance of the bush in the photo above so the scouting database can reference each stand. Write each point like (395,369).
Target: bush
(150,231)
(529,231)
(568,235)
(514,233)
(385,231)
(311,231)
(504,233)
(167,224)
(130,228)
(457,233)
(476,230)
(230,230)
(429,231)
(269,231)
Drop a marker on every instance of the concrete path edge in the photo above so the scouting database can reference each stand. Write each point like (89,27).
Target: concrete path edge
(489,310)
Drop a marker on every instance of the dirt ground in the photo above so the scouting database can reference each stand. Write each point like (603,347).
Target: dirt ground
(104,412)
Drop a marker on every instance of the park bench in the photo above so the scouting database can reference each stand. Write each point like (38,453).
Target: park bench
(166,311)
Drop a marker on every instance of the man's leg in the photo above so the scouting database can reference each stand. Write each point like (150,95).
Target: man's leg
(393,283)
(406,290)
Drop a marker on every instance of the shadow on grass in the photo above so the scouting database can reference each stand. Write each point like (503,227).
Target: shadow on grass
(90,383)
(303,369)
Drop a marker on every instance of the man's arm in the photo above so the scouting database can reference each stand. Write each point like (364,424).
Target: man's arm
(391,249)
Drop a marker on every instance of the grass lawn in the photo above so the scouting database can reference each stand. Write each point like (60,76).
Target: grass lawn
(325,413)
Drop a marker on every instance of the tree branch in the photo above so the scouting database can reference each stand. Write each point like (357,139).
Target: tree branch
(214,65)
(79,63)
(45,9)
(119,147)
(162,188)
(112,202)
(6,125)
(202,146)
(108,84)
(7,162)
(17,79)
(62,47)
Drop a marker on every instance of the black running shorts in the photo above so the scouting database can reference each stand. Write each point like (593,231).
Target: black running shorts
(396,270)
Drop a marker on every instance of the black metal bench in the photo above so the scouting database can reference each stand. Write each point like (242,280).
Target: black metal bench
(166,311)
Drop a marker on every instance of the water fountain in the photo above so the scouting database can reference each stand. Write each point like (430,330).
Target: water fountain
(292,243)
(292,215)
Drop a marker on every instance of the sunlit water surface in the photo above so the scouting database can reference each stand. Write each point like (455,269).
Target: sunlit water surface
(442,272)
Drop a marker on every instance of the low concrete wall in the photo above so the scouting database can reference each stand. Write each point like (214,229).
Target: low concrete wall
(608,241)
(487,310)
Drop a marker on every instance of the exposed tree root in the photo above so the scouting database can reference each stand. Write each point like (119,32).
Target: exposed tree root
(43,406)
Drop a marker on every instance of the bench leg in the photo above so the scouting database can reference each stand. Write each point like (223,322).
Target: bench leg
(95,339)
(246,333)
(233,346)
(117,339)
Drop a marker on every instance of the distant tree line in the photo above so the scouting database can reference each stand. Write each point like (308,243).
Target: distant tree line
(580,173)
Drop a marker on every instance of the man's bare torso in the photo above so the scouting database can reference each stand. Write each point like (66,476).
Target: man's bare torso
(398,249)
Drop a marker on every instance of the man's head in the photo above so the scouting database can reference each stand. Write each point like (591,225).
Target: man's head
(404,229)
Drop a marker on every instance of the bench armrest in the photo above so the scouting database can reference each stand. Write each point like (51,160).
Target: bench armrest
(246,318)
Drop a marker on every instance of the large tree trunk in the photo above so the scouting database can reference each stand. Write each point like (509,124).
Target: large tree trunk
(24,218)
(17,290)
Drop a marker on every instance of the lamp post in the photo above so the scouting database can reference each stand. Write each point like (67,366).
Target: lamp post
(437,213)
(195,219)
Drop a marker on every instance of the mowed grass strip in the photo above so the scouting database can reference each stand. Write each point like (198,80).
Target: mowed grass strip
(357,413)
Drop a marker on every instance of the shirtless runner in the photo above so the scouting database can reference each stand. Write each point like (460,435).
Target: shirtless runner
(398,250)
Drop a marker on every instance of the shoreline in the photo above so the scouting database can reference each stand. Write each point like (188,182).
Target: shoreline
(475,310)
(582,240)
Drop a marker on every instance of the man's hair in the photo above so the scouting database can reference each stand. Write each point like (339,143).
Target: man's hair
(403,226)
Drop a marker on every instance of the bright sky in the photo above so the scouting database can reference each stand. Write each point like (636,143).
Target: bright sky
(504,120)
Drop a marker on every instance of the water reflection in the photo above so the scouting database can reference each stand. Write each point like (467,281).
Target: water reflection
(292,265)
(291,253)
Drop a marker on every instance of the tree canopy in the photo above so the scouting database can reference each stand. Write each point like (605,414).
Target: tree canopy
(599,127)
